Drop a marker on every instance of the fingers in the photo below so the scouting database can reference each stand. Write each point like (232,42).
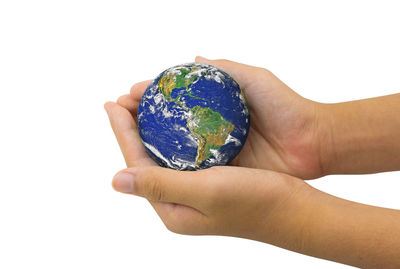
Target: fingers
(127,102)
(244,74)
(201,190)
(138,89)
(219,200)
(175,195)
(125,130)
(165,185)
(131,101)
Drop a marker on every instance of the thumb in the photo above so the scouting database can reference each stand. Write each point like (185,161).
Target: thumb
(163,185)
(244,74)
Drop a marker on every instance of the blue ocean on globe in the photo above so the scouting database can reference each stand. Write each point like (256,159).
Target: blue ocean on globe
(193,116)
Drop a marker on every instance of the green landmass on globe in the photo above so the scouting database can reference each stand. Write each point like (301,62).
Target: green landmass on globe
(193,116)
(208,126)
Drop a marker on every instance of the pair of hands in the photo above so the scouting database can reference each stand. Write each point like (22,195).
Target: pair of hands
(262,195)
(227,200)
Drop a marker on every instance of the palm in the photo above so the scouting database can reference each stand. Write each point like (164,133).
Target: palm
(281,130)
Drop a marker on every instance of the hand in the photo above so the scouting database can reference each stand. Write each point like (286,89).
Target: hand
(210,201)
(269,206)
(256,204)
(233,201)
(241,202)
(306,139)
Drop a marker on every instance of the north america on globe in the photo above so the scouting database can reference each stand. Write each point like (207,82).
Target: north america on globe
(193,116)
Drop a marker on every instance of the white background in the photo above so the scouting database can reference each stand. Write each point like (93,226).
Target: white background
(61,60)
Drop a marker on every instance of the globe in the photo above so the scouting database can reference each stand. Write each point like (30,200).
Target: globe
(193,116)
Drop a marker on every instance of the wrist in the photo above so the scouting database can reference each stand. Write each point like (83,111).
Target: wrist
(317,140)
(325,118)
(288,219)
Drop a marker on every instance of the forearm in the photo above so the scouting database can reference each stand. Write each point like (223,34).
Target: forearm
(320,225)
(352,233)
(361,136)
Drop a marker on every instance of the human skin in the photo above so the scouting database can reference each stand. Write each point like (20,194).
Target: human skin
(298,139)
(361,136)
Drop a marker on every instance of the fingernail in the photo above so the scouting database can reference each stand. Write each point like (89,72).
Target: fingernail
(123,182)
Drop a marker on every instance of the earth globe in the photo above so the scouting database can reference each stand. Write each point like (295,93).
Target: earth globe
(193,116)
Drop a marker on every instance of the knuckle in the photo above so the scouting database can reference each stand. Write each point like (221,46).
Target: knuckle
(151,186)
(154,190)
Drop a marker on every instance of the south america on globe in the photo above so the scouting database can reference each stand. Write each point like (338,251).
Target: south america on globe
(193,116)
